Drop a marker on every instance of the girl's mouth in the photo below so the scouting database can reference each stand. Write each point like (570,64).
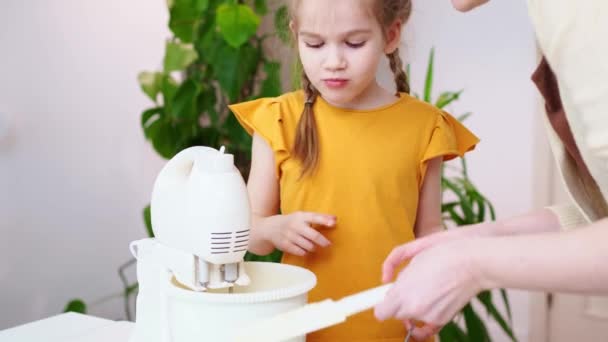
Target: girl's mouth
(335,82)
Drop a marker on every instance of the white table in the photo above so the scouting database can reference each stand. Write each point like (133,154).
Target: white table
(69,327)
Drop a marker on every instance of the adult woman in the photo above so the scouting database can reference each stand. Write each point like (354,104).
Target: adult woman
(536,251)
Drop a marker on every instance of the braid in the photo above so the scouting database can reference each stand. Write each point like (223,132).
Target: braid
(309,90)
(401,81)
(306,147)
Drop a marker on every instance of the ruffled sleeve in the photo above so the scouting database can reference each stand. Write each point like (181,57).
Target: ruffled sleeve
(449,138)
(263,116)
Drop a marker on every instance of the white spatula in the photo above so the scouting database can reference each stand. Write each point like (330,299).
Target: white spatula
(311,317)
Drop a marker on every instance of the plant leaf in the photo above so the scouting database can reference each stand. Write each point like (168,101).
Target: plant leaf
(168,88)
(184,16)
(465,204)
(178,56)
(131,289)
(150,83)
(446,98)
(271,86)
(211,136)
(428,83)
(505,300)
(486,299)
(76,305)
(190,5)
(260,7)
(281,24)
(447,206)
(275,256)
(451,332)
(185,101)
(149,116)
(237,134)
(464,116)
(460,221)
(148,221)
(236,23)
(207,101)
(164,137)
(232,68)
(492,212)
(476,329)
(481,206)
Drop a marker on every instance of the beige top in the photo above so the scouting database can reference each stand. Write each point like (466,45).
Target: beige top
(572,36)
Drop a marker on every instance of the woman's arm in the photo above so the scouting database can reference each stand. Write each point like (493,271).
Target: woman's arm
(439,281)
(539,221)
(428,218)
(571,261)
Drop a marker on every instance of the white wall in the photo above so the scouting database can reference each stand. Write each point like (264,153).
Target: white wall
(76,171)
(490,53)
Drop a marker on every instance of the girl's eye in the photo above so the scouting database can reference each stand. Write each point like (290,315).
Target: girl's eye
(355,45)
(314,46)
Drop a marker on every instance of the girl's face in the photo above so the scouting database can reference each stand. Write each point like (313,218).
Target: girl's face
(340,45)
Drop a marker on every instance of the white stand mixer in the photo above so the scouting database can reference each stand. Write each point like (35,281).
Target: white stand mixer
(193,282)
(201,218)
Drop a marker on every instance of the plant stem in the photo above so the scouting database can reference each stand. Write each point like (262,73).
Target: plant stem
(125,283)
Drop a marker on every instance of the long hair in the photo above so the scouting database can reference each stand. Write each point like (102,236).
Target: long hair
(306,146)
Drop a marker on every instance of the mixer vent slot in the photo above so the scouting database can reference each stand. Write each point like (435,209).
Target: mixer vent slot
(230,242)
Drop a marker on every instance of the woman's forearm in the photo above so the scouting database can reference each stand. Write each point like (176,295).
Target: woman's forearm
(539,221)
(568,261)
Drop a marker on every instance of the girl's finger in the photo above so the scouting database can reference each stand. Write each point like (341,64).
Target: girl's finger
(320,219)
(314,235)
(294,249)
(303,243)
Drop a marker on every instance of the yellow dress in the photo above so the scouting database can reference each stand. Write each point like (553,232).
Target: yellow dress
(371,167)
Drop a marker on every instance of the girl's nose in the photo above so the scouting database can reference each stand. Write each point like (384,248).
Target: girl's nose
(334,60)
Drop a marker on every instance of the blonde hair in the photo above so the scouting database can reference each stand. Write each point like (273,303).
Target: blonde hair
(306,146)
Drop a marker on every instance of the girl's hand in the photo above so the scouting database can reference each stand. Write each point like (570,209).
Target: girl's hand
(294,234)
(436,284)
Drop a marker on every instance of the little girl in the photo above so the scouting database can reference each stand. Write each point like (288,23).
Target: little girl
(353,168)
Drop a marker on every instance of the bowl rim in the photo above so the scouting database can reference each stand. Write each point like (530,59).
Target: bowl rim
(301,288)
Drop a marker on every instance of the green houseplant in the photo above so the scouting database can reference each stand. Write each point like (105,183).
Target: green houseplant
(216,57)
(219,59)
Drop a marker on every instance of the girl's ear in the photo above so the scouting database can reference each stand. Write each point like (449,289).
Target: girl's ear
(393,37)
(292,28)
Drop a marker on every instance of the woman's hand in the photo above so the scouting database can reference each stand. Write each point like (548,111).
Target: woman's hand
(433,288)
(294,234)
(467,5)
(402,253)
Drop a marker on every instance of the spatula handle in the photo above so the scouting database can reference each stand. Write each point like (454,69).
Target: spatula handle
(363,300)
